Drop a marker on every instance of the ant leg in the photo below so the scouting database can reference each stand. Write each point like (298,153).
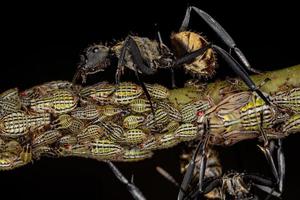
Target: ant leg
(77,75)
(208,185)
(203,160)
(202,149)
(266,150)
(169,177)
(135,191)
(189,57)
(220,31)
(237,68)
(189,174)
(258,180)
(269,190)
(214,183)
(173,78)
(193,194)
(281,173)
(240,71)
(163,47)
(255,197)
(131,46)
(281,165)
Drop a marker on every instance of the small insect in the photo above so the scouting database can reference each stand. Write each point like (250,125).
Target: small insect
(63,121)
(112,130)
(126,92)
(167,140)
(89,133)
(9,102)
(160,141)
(81,150)
(10,161)
(292,125)
(173,113)
(157,91)
(151,143)
(57,101)
(46,138)
(67,140)
(105,149)
(134,136)
(187,132)
(158,120)
(171,127)
(109,110)
(19,123)
(67,123)
(192,110)
(99,93)
(10,94)
(133,121)
(88,112)
(76,126)
(140,105)
(43,89)
(289,99)
(39,151)
(12,146)
(134,154)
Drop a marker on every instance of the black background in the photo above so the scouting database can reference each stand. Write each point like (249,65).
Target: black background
(41,43)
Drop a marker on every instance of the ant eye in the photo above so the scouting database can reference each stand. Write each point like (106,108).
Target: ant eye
(95,50)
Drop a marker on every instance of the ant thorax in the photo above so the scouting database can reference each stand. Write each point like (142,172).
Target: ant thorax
(150,52)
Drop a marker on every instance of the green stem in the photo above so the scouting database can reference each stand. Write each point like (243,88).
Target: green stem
(279,80)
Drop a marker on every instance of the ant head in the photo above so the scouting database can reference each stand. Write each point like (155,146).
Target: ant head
(94,59)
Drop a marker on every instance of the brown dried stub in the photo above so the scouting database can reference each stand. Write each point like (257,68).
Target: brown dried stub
(186,42)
